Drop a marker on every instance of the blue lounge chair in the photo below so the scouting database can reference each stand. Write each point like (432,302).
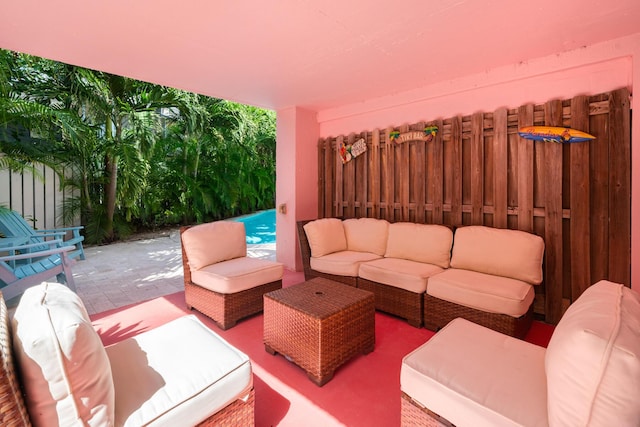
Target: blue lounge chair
(25,267)
(12,224)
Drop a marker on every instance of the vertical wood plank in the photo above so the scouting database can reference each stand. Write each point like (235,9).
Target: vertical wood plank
(362,178)
(339,212)
(477,169)
(419,176)
(437,177)
(321,178)
(375,172)
(525,172)
(500,168)
(580,232)
(456,170)
(553,217)
(620,188)
(329,180)
(390,176)
(404,176)
(349,176)
(599,214)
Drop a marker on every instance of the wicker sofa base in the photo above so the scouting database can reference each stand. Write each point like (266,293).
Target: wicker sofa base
(438,312)
(239,413)
(396,301)
(414,414)
(227,309)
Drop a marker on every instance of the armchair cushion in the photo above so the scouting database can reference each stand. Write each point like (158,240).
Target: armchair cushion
(343,263)
(426,243)
(64,367)
(237,274)
(492,294)
(177,374)
(213,242)
(593,359)
(475,376)
(400,273)
(366,235)
(325,236)
(501,252)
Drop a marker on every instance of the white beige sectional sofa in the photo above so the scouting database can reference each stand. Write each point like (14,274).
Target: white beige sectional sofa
(415,274)
(589,375)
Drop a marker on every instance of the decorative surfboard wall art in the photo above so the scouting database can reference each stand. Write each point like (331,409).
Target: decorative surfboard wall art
(351,151)
(554,134)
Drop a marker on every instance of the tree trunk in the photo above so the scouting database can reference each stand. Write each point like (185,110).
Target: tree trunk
(111,169)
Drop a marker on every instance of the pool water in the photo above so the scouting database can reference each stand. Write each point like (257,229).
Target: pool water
(260,226)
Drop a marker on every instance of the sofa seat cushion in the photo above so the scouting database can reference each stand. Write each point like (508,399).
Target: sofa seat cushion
(593,359)
(493,294)
(177,374)
(213,242)
(325,236)
(64,368)
(501,252)
(343,263)
(474,376)
(239,274)
(428,243)
(400,273)
(366,234)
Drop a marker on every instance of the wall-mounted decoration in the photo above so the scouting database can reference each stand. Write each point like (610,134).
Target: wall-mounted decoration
(414,135)
(348,152)
(554,134)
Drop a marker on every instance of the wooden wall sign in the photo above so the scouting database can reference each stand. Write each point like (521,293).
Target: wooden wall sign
(351,151)
(426,135)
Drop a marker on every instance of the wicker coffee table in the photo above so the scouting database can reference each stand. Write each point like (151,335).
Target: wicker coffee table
(319,325)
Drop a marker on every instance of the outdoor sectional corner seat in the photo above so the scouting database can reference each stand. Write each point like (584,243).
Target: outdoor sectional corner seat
(589,375)
(490,281)
(425,273)
(220,280)
(178,374)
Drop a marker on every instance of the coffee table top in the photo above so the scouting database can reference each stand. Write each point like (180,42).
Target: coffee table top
(319,297)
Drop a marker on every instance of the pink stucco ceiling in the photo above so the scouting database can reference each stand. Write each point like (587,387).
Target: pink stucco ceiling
(307,53)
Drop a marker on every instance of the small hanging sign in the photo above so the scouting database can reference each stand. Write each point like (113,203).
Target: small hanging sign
(348,152)
(414,135)
(554,134)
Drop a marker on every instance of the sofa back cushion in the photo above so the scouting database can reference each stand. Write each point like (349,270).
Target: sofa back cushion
(325,236)
(593,360)
(501,252)
(426,243)
(64,368)
(214,242)
(366,235)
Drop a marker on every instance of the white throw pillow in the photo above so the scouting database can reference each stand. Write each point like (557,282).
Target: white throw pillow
(325,236)
(214,242)
(593,360)
(64,367)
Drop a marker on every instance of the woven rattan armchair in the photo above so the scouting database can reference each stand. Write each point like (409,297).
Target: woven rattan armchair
(13,410)
(205,294)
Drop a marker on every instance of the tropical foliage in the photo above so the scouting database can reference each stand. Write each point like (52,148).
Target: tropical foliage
(137,155)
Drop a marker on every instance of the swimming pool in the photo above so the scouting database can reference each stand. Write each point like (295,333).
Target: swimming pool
(260,226)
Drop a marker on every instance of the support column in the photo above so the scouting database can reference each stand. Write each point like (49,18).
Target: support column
(297,134)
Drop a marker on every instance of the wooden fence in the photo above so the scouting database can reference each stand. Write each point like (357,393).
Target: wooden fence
(477,170)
